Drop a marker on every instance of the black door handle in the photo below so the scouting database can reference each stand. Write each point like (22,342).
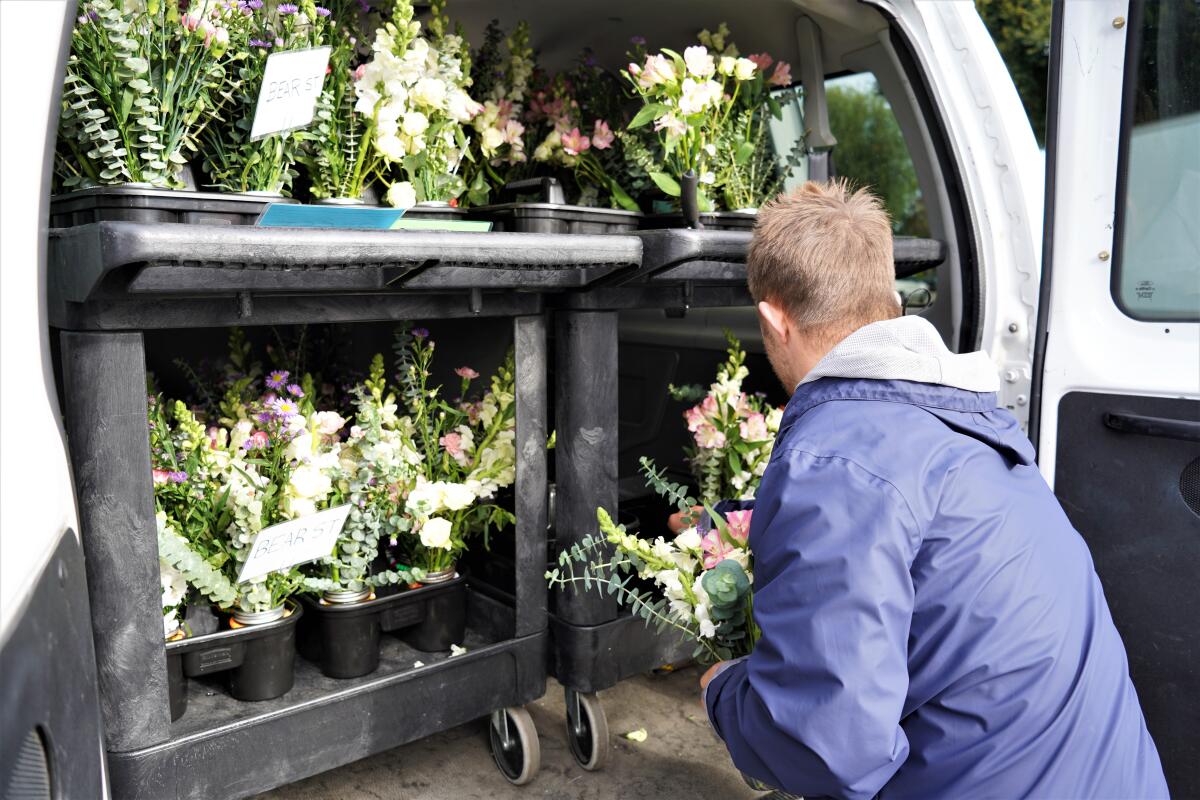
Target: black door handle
(1168,428)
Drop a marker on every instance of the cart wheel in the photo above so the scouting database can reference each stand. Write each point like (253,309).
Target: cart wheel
(515,745)
(587,730)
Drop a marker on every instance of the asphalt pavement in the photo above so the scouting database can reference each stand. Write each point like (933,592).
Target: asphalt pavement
(680,758)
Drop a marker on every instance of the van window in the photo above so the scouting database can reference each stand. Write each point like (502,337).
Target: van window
(1156,273)
(871,152)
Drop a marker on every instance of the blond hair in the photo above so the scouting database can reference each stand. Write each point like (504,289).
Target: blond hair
(824,254)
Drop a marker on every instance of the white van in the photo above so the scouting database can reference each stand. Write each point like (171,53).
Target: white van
(1082,281)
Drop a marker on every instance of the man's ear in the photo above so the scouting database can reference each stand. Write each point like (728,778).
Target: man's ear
(775,319)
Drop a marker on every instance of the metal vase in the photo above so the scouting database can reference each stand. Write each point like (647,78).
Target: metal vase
(258,617)
(338,597)
(441,575)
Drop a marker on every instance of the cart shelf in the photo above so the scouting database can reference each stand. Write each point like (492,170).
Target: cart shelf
(245,748)
(132,275)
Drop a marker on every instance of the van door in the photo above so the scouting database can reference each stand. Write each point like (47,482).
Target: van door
(1116,399)
(50,724)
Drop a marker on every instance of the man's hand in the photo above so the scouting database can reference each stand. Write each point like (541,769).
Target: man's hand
(707,677)
(682,520)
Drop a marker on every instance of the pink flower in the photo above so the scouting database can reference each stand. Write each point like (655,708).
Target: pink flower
(708,406)
(360,71)
(782,75)
(160,476)
(754,429)
(715,548)
(453,444)
(514,132)
(634,69)
(466,372)
(191,21)
(709,437)
(574,142)
(257,441)
(213,437)
(739,524)
(761,60)
(694,417)
(602,135)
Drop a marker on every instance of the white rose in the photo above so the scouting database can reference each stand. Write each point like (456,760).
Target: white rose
(402,195)
(727,65)
(456,496)
(301,507)
(328,423)
(744,69)
(425,498)
(699,62)
(436,533)
(391,147)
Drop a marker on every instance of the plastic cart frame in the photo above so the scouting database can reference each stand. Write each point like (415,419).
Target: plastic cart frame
(108,282)
(594,644)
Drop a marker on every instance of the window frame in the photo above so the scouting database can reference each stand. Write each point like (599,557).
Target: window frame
(1133,52)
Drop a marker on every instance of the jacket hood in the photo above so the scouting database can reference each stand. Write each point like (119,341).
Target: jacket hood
(905,349)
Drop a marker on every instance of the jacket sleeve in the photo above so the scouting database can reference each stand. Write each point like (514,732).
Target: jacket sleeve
(816,708)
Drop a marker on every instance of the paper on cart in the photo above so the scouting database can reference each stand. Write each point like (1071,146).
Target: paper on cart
(294,542)
(292,82)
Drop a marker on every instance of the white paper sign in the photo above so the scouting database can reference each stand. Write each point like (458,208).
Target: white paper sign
(291,84)
(294,542)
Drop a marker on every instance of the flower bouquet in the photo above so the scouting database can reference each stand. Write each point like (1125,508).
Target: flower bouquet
(413,95)
(234,161)
(143,80)
(499,75)
(577,143)
(466,455)
(709,108)
(698,582)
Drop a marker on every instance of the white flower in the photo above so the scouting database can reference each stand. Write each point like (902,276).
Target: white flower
(727,65)
(301,447)
(492,139)
(400,195)
(456,496)
(699,62)
(430,92)
(328,423)
(391,147)
(658,70)
(672,124)
(435,533)
(415,123)
(425,498)
(744,69)
(688,540)
(301,507)
(709,177)
(698,96)
(307,481)
(461,107)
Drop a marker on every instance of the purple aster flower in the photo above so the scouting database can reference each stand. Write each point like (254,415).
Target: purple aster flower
(277,379)
(420,333)
(178,476)
(287,8)
(322,11)
(264,417)
(255,4)
(260,43)
(294,390)
(279,41)
(637,40)
(284,408)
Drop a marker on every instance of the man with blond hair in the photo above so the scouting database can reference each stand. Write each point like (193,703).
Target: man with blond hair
(932,625)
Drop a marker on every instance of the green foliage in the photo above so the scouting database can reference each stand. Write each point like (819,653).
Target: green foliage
(871,153)
(1021,30)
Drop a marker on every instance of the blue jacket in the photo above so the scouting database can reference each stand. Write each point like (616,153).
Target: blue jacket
(932,625)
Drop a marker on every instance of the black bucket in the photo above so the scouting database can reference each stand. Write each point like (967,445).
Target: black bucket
(445,619)
(260,660)
(343,640)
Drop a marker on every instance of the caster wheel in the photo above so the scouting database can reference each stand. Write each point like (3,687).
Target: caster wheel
(515,745)
(587,730)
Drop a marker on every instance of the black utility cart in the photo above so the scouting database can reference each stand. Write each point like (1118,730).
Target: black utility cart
(594,643)
(110,281)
